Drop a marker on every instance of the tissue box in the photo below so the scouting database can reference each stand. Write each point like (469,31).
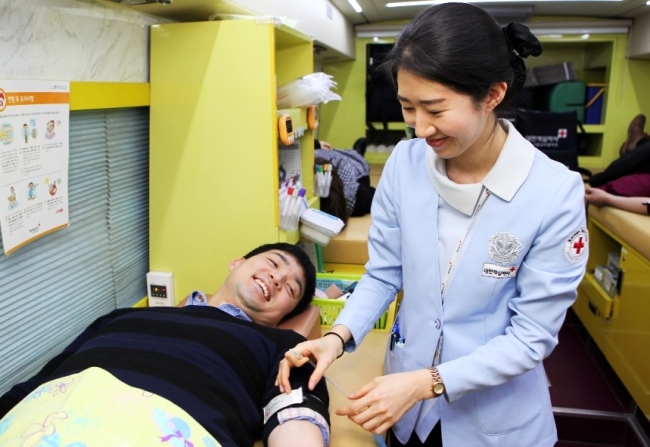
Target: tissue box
(319,227)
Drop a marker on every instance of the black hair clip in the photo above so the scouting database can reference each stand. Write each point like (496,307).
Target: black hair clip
(522,40)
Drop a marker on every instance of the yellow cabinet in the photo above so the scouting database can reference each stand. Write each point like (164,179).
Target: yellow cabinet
(619,325)
(214,164)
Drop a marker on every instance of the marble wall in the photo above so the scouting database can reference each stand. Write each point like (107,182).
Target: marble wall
(73,40)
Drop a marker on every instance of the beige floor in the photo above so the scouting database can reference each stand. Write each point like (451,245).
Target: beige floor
(350,372)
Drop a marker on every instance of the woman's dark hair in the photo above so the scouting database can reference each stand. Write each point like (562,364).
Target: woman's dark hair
(335,203)
(307,267)
(463,47)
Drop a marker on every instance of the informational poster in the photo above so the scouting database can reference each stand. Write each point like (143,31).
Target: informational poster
(34,153)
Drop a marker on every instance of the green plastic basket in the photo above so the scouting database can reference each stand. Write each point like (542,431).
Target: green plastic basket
(331,308)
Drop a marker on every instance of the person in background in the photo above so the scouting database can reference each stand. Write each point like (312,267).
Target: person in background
(201,374)
(354,172)
(636,134)
(484,234)
(599,197)
(629,174)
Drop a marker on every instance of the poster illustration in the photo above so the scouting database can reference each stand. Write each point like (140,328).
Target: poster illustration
(34,153)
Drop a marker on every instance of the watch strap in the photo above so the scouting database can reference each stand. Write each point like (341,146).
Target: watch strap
(437,387)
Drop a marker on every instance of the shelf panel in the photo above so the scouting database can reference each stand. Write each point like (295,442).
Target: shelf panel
(600,303)
(291,237)
(594,128)
(286,36)
(377,158)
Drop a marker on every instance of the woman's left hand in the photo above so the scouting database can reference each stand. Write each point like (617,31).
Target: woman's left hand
(381,403)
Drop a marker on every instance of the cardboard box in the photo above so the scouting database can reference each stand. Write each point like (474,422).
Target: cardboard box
(552,74)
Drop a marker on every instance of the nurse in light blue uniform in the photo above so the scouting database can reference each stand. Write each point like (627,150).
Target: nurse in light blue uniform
(484,234)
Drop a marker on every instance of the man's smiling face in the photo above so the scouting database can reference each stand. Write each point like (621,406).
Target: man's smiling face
(266,286)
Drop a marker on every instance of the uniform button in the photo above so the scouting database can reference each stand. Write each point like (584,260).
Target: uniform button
(437,323)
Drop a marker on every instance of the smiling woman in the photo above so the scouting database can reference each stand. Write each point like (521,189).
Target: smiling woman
(484,293)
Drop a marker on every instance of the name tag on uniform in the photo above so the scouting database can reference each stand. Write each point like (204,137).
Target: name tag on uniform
(282,401)
(499,271)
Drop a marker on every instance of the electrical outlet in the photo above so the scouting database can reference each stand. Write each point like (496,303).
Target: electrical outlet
(160,288)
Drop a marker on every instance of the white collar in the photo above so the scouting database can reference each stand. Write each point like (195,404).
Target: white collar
(504,179)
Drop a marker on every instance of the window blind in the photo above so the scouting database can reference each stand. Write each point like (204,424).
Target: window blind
(52,288)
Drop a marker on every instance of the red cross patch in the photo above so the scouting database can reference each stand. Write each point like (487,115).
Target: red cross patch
(577,245)
(562,133)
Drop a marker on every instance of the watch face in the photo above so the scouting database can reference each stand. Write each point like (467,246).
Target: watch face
(438,388)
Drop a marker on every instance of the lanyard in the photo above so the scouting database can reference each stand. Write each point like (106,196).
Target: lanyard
(485,193)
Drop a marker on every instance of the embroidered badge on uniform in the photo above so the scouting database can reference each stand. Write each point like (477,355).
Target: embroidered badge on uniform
(577,245)
(504,248)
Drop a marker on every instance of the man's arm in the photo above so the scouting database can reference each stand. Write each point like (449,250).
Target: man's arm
(296,433)
(306,423)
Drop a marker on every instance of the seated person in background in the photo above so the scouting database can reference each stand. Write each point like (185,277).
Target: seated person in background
(628,175)
(625,183)
(193,375)
(598,197)
(636,134)
(354,172)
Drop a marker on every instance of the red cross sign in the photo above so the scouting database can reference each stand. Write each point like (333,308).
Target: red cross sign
(577,245)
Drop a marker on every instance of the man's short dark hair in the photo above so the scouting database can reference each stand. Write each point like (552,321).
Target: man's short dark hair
(307,267)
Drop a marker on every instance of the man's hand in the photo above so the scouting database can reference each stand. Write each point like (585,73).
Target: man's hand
(321,352)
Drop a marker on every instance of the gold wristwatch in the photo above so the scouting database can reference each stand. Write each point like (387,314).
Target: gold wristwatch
(437,387)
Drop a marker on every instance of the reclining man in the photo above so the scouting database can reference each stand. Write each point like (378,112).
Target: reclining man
(192,375)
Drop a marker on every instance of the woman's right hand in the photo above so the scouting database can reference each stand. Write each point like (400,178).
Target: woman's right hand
(323,351)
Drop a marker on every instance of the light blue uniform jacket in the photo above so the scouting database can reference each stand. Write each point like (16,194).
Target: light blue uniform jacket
(497,329)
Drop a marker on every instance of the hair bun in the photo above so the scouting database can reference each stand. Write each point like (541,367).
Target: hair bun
(522,40)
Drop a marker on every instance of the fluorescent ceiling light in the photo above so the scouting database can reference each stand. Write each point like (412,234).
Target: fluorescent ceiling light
(550,29)
(355,5)
(435,2)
